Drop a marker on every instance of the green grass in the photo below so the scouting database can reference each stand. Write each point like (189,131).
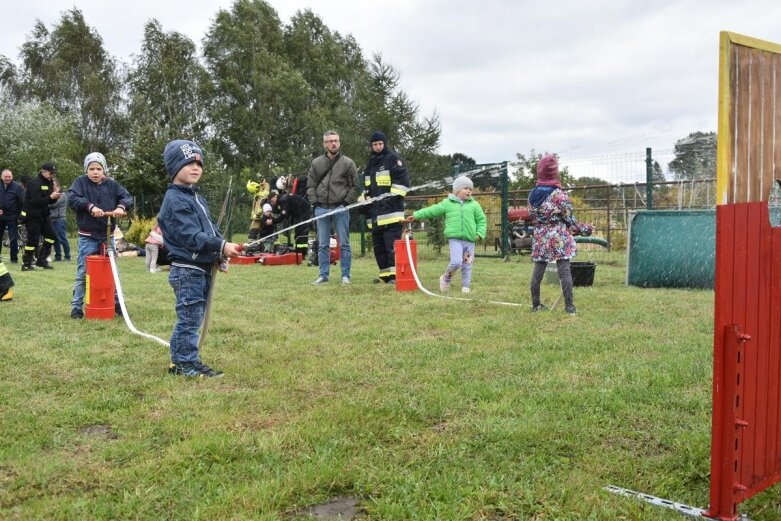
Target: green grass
(423,408)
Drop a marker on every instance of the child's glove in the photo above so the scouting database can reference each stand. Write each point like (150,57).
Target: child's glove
(583,229)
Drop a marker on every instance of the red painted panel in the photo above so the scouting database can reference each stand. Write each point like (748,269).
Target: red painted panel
(746,450)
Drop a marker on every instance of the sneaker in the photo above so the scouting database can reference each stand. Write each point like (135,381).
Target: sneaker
(320,280)
(155,270)
(539,307)
(25,267)
(443,284)
(6,295)
(345,280)
(57,260)
(465,289)
(193,370)
(570,310)
(77,314)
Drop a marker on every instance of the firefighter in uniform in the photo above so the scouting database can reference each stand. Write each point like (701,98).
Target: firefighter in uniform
(292,210)
(40,191)
(385,173)
(259,192)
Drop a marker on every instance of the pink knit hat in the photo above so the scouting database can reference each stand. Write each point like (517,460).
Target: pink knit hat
(548,171)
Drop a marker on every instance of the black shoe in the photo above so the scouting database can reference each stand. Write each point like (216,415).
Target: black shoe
(193,370)
(14,261)
(77,314)
(539,307)
(45,265)
(57,260)
(118,310)
(570,310)
(27,267)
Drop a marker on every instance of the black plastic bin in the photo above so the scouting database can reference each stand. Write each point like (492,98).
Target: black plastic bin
(582,273)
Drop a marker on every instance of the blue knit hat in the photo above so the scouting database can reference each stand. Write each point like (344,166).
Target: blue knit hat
(180,153)
(95,157)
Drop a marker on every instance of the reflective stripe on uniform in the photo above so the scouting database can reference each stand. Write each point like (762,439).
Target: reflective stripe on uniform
(389,218)
(383,178)
(399,189)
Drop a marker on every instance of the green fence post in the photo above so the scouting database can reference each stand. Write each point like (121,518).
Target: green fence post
(649,178)
(504,208)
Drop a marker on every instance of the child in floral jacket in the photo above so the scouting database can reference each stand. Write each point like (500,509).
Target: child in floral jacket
(554,229)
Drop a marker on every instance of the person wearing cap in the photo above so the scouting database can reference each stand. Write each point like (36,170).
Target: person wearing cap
(11,200)
(331,185)
(194,245)
(40,192)
(554,227)
(464,223)
(94,197)
(386,178)
(58,217)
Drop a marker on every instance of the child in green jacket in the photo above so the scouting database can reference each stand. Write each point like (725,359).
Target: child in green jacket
(464,222)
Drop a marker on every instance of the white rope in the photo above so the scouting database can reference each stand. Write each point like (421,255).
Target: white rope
(430,184)
(427,292)
(122,306)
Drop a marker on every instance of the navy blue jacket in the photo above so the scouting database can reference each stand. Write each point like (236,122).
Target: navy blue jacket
(83,194)
(191,237)
(11,199)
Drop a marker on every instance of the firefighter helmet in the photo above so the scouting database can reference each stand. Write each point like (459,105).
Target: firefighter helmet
(253,187)
(281,184)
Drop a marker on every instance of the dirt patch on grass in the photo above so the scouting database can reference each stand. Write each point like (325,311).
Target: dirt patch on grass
(99,430)
(342,508)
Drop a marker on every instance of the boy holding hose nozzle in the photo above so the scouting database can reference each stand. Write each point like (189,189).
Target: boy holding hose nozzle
(95,198)
(194,244)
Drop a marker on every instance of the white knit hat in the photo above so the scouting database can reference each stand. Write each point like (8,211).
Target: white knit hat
(462,182)
(267,208)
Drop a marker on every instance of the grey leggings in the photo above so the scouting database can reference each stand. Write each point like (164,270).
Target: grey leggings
(565,277)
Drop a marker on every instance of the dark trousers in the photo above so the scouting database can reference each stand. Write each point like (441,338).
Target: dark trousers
(36,229)
(13,236)
(565,278)
(383,239)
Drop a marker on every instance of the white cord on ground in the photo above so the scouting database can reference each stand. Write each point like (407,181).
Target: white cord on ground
(121,298)
(427,292)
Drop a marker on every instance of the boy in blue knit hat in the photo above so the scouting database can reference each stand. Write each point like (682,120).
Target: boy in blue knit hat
(194,245)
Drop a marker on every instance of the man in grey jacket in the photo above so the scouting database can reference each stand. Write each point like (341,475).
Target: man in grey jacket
(331,185)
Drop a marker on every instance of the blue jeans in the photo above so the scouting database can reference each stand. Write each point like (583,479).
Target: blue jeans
(341,221)
(191,289)
(61,244)
(87,246)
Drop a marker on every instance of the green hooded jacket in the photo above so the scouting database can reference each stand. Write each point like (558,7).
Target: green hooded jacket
(464,220)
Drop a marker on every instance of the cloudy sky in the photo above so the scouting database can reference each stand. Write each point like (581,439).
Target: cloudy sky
(505,76)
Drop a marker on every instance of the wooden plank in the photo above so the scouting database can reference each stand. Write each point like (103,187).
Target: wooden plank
(724,147)
(742,129)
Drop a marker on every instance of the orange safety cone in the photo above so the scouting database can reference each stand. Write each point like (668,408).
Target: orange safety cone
(99,297)
(405,280)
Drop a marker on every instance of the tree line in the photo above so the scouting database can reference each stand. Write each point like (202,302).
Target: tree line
(258,98)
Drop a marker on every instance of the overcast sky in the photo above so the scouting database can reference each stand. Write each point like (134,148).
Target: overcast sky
(505,76)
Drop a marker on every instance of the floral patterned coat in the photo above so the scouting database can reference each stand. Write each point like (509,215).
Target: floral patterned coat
(552,222)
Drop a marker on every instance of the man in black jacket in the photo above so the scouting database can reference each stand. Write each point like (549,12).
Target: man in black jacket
(35,211)
(11,199)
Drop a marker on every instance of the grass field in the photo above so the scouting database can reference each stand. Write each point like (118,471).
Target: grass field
(402,405)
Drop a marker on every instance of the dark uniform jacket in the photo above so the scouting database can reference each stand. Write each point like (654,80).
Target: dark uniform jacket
(293,208)
(386,173)
(37,197)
